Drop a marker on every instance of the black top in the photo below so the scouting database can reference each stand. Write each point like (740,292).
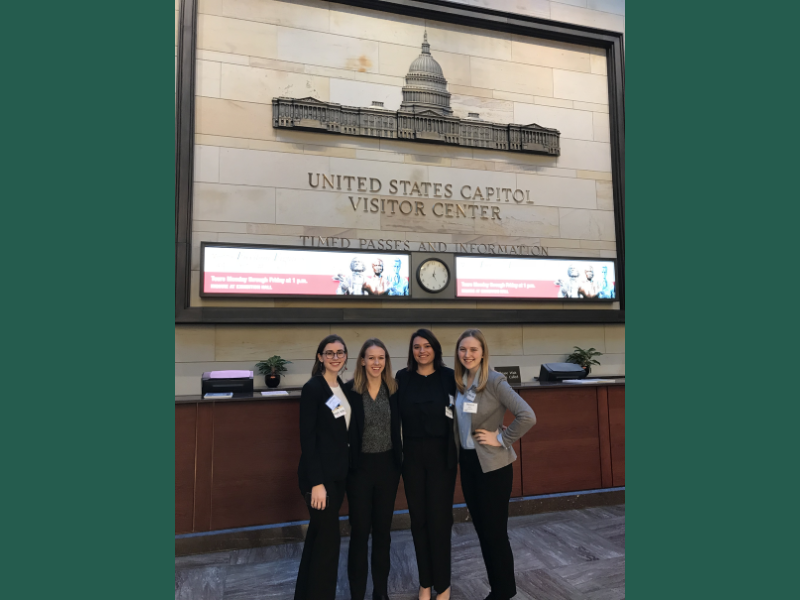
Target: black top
(356,432)
(377,422)
(423,400)
(323,437)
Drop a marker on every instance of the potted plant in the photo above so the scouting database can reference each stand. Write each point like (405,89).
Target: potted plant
(584,358)
(272,369)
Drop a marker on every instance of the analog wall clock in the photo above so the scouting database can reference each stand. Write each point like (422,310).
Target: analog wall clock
(433,275)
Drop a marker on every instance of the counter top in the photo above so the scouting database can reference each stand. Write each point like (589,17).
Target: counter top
(294,392)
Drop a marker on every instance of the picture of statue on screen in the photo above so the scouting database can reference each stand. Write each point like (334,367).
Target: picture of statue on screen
(377,284)
(353,283)
(575,286)
(590,287)
(606,287)
(570,286)
(398,283)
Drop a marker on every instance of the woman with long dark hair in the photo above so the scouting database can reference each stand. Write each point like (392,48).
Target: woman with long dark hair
(426,389)
(375,461)
(486,454)
(324,460)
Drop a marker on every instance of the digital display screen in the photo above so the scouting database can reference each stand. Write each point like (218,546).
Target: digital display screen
(553,278)
(282,272)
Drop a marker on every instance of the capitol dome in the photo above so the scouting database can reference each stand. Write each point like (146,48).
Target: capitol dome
(426,87)
(425,64)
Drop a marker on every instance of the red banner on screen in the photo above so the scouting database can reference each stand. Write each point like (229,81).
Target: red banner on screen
(259,283)
(507,288)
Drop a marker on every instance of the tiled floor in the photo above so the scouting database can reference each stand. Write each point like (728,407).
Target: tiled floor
(568,555)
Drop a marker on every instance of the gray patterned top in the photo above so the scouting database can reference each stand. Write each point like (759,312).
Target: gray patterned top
(377,423)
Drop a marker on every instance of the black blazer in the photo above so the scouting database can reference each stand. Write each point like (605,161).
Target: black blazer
(356,432)
(448,388)
(323,437)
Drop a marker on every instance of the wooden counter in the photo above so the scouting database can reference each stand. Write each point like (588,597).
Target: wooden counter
(236,460)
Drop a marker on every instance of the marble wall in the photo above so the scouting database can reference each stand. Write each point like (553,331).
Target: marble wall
(200,348)
(251,183)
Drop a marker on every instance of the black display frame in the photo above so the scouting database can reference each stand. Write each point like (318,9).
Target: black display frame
(439,10)
(565,300)
(331,297)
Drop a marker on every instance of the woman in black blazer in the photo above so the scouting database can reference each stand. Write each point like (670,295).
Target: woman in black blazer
(324,460)
(426,389)
(375,461)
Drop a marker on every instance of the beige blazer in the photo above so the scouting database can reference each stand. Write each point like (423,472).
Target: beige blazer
(493,401)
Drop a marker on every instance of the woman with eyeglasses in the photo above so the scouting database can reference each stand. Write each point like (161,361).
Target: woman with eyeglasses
(426,388)
(486,454)
(324,461)
(375,459)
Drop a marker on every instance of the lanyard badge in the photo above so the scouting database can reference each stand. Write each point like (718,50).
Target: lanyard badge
(336,407)
(470,406)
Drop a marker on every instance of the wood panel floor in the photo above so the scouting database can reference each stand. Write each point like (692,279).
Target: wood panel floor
(567,555)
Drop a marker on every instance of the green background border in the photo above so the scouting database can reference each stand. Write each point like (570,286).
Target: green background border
(712,104)
(88,209)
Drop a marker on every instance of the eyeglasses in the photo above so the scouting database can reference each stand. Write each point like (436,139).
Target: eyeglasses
(338,354)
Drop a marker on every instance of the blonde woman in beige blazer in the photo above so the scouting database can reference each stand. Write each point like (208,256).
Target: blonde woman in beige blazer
(486,453)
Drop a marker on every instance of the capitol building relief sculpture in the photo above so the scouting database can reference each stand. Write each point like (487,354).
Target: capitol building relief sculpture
(424,116)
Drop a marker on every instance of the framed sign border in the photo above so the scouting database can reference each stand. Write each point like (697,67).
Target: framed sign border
(439,10)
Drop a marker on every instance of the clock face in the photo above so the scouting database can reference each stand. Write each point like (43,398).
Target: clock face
(433,275)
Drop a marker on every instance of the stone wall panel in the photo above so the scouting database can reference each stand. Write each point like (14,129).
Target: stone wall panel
(251,180)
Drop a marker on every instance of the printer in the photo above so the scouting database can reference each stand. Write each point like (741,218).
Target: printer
(561,371)
(228,381)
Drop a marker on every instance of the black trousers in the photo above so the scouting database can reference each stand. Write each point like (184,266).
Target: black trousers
(487,496)
(371,492)
(319,565)
(429,488)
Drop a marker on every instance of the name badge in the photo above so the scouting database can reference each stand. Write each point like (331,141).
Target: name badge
(333,402)
(452,400)
(470,407)
(448,412)
(339,411)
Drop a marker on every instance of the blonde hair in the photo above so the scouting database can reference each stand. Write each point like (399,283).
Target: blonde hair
(360,376)
(483,372)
